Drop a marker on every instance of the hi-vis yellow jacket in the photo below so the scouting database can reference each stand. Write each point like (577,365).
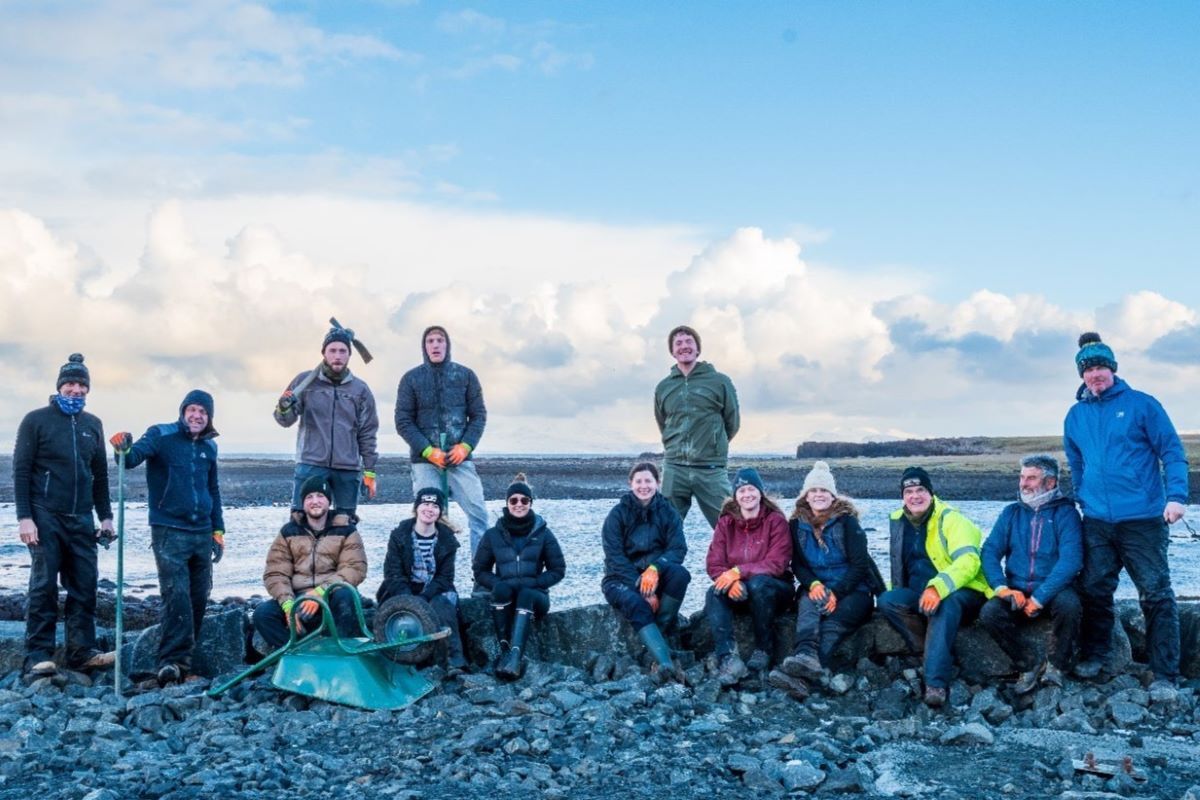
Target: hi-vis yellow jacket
(952,542)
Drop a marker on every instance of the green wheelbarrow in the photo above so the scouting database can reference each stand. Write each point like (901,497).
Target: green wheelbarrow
(375,673)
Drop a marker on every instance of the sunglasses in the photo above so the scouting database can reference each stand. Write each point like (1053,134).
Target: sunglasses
(518,500)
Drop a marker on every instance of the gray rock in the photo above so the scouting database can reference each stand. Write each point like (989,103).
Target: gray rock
(800,775)
(567,700)
(841,683)
(1075,721)
(221,649)
(1126,714)
(970,733)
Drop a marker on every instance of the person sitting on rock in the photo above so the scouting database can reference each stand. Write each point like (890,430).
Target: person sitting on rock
(749,560)
(644,577)
(937,585)
(837,579)
(1040,542)
(517,562)
(306,557)
(420,562)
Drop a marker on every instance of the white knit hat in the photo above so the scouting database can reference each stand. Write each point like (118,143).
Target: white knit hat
(819,477)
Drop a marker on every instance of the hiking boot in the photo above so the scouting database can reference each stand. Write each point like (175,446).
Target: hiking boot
(99,660)
(1089,669)
(795,688)
(1052,676)
(1027,681)
(168,674)
(731,669)
(935,696)
(759,661)
(43,669)
(804,665)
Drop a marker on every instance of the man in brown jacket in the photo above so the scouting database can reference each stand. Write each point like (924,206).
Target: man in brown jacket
(304,559)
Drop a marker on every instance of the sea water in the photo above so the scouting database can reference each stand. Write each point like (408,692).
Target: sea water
(576,524)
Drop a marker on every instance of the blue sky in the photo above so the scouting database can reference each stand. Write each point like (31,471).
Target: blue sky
(872,188)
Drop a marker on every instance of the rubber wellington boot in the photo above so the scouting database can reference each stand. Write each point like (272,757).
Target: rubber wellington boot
(668,614)
(657,646)
(512,662)
(500,621)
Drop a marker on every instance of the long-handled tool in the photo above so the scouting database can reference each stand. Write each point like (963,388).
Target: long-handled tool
(120,623)
(444,472)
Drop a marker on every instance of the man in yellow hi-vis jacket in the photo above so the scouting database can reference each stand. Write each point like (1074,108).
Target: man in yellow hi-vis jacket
(937,584)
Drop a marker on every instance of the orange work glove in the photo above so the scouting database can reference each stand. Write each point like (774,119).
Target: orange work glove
(737,591)
(726,579)
(459,453)
(308,607)
(817,592)
(434,456)
(652,601)
(930,600)
(648,584)
(369,483)
(831,605)
(121,441)
(1015,599)
(1032,607)
(286,401)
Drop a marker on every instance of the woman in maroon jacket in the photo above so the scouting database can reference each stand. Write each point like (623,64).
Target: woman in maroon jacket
(749,561)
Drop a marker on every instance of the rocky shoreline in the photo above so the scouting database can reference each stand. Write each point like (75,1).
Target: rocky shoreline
(586,721)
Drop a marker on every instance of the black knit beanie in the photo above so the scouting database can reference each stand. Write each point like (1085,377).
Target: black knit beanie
(73,372)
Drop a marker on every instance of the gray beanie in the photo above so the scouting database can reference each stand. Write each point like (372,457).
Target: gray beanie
(819,477)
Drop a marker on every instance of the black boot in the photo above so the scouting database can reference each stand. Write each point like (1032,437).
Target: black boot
(512,663)
(500,621)
(668,613)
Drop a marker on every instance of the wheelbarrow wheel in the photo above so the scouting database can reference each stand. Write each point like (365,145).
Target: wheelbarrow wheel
(406,617)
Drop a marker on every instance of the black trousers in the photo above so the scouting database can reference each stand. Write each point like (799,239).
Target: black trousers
(184,561)
(66,551)
(1004,624)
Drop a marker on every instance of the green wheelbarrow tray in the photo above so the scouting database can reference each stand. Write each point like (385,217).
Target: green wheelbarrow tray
(351,671)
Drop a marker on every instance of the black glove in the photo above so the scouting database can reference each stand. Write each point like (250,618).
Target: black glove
(218,546)
(105,538)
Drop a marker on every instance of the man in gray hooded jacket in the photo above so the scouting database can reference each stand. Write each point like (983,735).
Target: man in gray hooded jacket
(441,415)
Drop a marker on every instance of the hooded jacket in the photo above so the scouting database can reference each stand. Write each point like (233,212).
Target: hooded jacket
(539,564)
(301,559)
(952,544)
(1120,445)
(59,464)
(338,423)
(635,536)
(840,559)
(759,546)
(1042,550)
(697,415)
(181,471)
(435,399)
(398,565)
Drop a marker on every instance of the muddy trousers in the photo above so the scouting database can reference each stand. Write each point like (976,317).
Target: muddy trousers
(184,562)
(66,551)
(819,634)
(1140,546)
(272,624)
(767,598)
(673,581)
(960,607)
(1005,624)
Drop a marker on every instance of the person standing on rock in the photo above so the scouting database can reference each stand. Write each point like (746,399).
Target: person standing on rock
(837,579)
(937,585)
(306,557)
(60,479)
(441,415)
(420,562)
(749,560)
(187,529)
(696,409)
(644,576)
(1032,555)
(338,426)
(517,562)
(1121,447)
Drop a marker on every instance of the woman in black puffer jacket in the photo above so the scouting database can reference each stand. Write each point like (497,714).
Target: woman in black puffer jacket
(644,577)
(518,560)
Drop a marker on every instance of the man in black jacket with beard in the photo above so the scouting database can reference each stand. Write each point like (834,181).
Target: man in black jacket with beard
(441,415)
(60,477)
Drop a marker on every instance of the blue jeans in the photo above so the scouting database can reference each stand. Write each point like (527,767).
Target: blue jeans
(767,598)
(899,607)
(673,580)
(819,634)
(344,482)
(184,561)
(1140,546)
(465,489)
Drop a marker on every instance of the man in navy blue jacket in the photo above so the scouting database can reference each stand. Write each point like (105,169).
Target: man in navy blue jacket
(1121,444)
(186,526)
(1033,554)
